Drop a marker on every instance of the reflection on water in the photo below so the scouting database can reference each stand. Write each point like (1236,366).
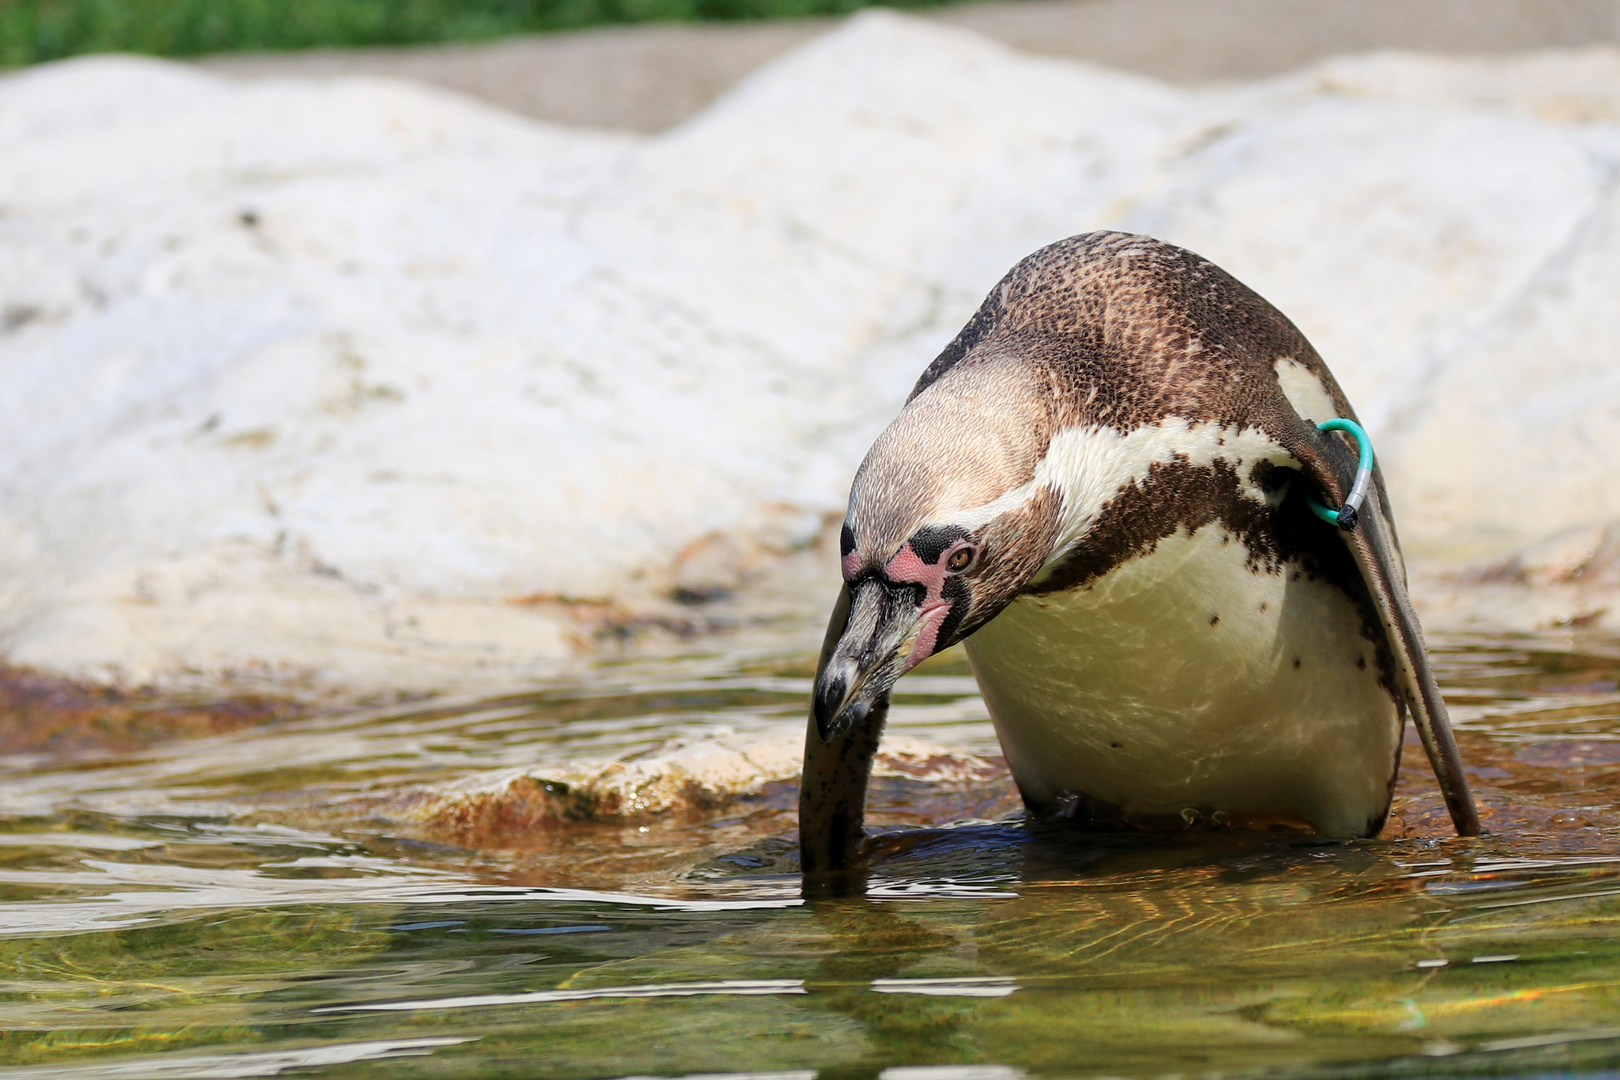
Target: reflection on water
(218,906)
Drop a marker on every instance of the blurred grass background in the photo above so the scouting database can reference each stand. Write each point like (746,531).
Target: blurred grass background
(35,30)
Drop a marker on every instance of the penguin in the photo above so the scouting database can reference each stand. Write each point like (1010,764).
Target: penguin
(1103,488)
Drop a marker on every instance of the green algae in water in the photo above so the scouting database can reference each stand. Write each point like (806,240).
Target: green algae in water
(233,941)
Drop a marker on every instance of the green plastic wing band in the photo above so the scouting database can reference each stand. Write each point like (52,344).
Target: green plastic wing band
(1345,516)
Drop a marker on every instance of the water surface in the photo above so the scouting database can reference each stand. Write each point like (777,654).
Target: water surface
(236,905)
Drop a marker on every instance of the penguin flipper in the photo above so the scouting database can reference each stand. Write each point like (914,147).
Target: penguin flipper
(1372,544)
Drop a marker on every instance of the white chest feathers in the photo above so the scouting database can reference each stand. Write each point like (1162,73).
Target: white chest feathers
(1184,684)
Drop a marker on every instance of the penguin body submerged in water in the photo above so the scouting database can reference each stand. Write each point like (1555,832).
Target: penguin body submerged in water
(1102,486)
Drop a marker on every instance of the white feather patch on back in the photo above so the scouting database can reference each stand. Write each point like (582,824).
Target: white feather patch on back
(1305,392)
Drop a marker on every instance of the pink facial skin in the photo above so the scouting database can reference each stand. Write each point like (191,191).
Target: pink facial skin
(906,566)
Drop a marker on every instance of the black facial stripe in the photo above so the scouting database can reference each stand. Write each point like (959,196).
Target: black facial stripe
(915,588)
(918,592)
(846,542)
(930,541)
(956,591)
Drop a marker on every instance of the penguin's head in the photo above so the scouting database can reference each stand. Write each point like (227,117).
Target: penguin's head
(946,525)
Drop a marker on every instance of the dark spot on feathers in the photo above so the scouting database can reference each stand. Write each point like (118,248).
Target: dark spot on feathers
(1296,663)
(1361,663)
(1214,620)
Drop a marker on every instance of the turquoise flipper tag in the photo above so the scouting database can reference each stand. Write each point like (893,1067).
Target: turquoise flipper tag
(1345,516)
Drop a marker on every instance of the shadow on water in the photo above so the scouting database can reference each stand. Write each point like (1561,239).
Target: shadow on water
(186,910)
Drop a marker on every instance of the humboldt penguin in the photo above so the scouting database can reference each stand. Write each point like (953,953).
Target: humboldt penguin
(1103,487)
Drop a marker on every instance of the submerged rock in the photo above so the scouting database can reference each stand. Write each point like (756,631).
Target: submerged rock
(355,384)
(682,778)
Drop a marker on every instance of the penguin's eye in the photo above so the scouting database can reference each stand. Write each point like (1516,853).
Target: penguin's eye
(961,559)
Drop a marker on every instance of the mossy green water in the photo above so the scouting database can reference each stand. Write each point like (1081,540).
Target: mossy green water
(1308,961)
(243,938)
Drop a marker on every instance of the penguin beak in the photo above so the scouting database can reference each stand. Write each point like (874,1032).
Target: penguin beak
(874,650)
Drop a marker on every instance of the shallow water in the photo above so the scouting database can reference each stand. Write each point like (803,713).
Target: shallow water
(237,905)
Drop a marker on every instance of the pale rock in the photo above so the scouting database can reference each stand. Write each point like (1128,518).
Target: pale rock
(1585,553)
(360,385)
(1573,86)
(1519,434)
(1570,580)
(1458,602)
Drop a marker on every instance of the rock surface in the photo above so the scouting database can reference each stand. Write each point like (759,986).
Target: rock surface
(360,384)
(696,777)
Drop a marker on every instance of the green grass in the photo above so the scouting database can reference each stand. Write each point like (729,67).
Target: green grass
(35,30)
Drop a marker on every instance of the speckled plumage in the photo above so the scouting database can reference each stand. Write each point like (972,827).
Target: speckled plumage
(1116,407)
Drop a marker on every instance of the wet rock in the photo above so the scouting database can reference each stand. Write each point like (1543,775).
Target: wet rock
(44,714)
(681,779)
